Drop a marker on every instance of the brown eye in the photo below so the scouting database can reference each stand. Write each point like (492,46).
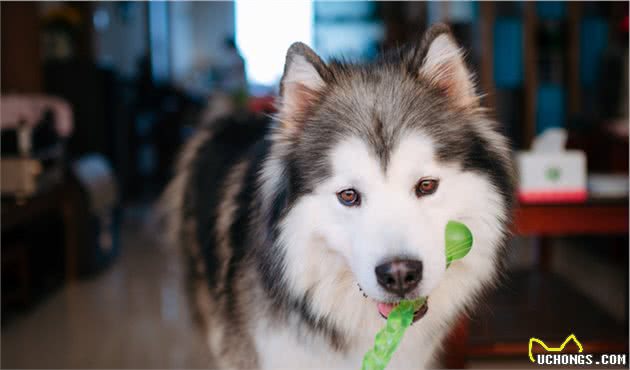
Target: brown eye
(349,197)
(426,187)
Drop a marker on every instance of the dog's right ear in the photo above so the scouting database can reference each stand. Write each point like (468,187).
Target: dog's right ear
(305,76)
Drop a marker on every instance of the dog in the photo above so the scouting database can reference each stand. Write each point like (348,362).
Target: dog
(302,232)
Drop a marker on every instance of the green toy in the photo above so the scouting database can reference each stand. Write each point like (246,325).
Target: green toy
(388,338)
(458,241)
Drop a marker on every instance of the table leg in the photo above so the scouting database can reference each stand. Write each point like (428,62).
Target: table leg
(544,254)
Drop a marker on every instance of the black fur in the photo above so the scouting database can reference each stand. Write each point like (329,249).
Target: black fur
(232,138)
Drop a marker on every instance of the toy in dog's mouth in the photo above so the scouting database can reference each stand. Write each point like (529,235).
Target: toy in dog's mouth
(458,240)
(385,308)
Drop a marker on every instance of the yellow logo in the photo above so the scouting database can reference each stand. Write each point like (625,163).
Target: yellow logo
(553,349)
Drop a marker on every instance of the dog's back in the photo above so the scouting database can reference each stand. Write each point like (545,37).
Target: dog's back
(206,203)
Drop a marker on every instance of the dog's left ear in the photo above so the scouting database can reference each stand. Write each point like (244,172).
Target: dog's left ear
(442,64)
(305,76)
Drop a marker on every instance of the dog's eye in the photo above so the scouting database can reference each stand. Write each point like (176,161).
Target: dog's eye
(426,187)
(349,197)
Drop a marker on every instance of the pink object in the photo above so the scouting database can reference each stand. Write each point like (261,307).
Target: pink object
(565,196)
(385,308)
(29,109)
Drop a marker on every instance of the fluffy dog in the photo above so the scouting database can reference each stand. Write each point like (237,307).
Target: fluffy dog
(304,232)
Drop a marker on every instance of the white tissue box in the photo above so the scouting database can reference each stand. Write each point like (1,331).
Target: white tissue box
(552,177)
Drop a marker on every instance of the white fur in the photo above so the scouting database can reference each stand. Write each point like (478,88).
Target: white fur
(444,66)
(300,75)
(442,50)
(330,248)
(301,71)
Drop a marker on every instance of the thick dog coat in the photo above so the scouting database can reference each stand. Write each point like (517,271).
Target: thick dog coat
(303,231)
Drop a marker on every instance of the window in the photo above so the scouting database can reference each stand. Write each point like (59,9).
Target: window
(264,32)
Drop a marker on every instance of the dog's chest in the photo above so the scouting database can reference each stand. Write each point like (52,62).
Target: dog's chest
(288,348)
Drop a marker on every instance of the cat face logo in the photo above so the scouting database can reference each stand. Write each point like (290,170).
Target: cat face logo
(553,349)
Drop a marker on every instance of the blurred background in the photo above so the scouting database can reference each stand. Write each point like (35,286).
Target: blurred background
(97,98)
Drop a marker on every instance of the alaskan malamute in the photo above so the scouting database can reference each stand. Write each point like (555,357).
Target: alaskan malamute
(303,233)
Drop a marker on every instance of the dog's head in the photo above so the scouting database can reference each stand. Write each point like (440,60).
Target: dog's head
(373,161)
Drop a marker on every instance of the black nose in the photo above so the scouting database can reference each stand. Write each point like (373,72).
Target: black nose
(399,277)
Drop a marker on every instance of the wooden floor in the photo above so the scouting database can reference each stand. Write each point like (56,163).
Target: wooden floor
(134,315)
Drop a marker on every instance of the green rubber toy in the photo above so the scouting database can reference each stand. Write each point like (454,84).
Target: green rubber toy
(388,338)
(458,241)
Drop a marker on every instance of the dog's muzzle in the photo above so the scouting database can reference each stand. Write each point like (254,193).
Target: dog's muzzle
(399,276)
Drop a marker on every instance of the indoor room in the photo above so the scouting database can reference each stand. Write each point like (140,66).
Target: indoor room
(183,186)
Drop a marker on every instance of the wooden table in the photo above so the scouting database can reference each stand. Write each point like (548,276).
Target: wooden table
(590,218)
(544,221)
